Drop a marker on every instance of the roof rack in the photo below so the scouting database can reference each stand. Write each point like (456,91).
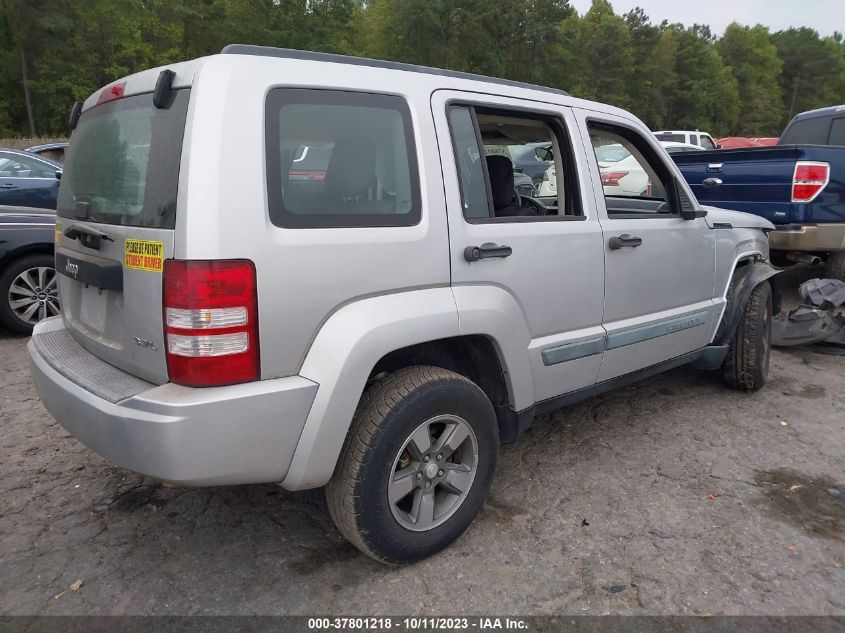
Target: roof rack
(290,53)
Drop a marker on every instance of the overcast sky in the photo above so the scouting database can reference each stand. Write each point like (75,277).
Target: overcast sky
(825,16)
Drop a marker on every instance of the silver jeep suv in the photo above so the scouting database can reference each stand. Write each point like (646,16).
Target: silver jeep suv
(315,270)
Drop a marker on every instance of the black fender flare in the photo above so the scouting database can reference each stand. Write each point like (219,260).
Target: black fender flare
(743,281)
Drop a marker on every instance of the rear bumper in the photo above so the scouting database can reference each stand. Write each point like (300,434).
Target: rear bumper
(214,436)
(809,237)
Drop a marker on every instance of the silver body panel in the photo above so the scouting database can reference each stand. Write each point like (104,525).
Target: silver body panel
(563,311)
(199,437)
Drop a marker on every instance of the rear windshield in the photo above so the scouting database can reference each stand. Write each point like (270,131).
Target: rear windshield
(122,166)
(675,138)
(807,132)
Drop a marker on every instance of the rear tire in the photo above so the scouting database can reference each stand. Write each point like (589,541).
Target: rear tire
(396,499)
(836,266)
(746,367)
(29,273)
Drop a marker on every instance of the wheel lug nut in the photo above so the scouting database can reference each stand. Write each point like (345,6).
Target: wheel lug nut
(428,484)
(439,473)
(426,458)
(419,475)
(439,457)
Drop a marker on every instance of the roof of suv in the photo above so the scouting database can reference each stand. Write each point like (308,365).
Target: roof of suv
(289,53)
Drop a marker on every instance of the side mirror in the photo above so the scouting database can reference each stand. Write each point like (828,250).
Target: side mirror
(692,215)
(544,154)
(58,174)
(718,146)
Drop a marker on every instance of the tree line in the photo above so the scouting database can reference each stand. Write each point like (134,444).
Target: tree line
(748,82)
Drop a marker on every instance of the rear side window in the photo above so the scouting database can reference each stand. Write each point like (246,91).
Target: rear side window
(340,159)
(837,132)
(807,132)
(122,165)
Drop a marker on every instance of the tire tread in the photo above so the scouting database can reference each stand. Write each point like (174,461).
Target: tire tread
(741,369)
(387,395)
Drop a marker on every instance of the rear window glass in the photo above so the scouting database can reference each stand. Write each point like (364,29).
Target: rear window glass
(807,132)
(122,165)
(675,138)
(340,159)
(837,132)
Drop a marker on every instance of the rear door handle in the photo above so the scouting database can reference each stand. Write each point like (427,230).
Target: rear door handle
(8,185)
(712,183)
(621,241)
(712,167)
(486,251)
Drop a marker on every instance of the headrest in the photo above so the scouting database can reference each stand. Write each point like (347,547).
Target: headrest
(500,169)
(351,169)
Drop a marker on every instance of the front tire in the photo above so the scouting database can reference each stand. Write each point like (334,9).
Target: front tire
(416,465)
(746,367)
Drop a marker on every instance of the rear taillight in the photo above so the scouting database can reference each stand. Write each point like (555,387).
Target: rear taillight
(210,322)
(808,180)
(612,178)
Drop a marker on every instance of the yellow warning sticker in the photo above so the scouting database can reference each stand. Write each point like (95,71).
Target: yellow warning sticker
(58,233)
(144,255)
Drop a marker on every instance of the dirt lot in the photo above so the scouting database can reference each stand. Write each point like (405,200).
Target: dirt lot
(674,496)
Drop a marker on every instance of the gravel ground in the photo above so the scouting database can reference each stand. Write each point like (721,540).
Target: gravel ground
(674,496)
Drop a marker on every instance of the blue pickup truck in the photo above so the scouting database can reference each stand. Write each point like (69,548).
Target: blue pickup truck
(798,184)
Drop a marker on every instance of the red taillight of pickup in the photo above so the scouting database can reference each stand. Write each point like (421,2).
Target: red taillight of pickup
(808,180)
(612,178)
(211,322)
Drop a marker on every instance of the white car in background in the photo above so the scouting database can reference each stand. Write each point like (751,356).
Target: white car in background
(677,148)
(621,172)
(548,186)
(691,137)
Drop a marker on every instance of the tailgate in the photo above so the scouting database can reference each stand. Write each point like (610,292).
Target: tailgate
(117,213)
(754,180)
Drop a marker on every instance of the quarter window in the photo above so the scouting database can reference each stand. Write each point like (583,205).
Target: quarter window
(340,159)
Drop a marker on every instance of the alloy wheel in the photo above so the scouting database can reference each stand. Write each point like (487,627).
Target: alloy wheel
(34,295)
(433,473)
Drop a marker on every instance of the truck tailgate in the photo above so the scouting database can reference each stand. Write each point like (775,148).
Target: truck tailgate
(758,180)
